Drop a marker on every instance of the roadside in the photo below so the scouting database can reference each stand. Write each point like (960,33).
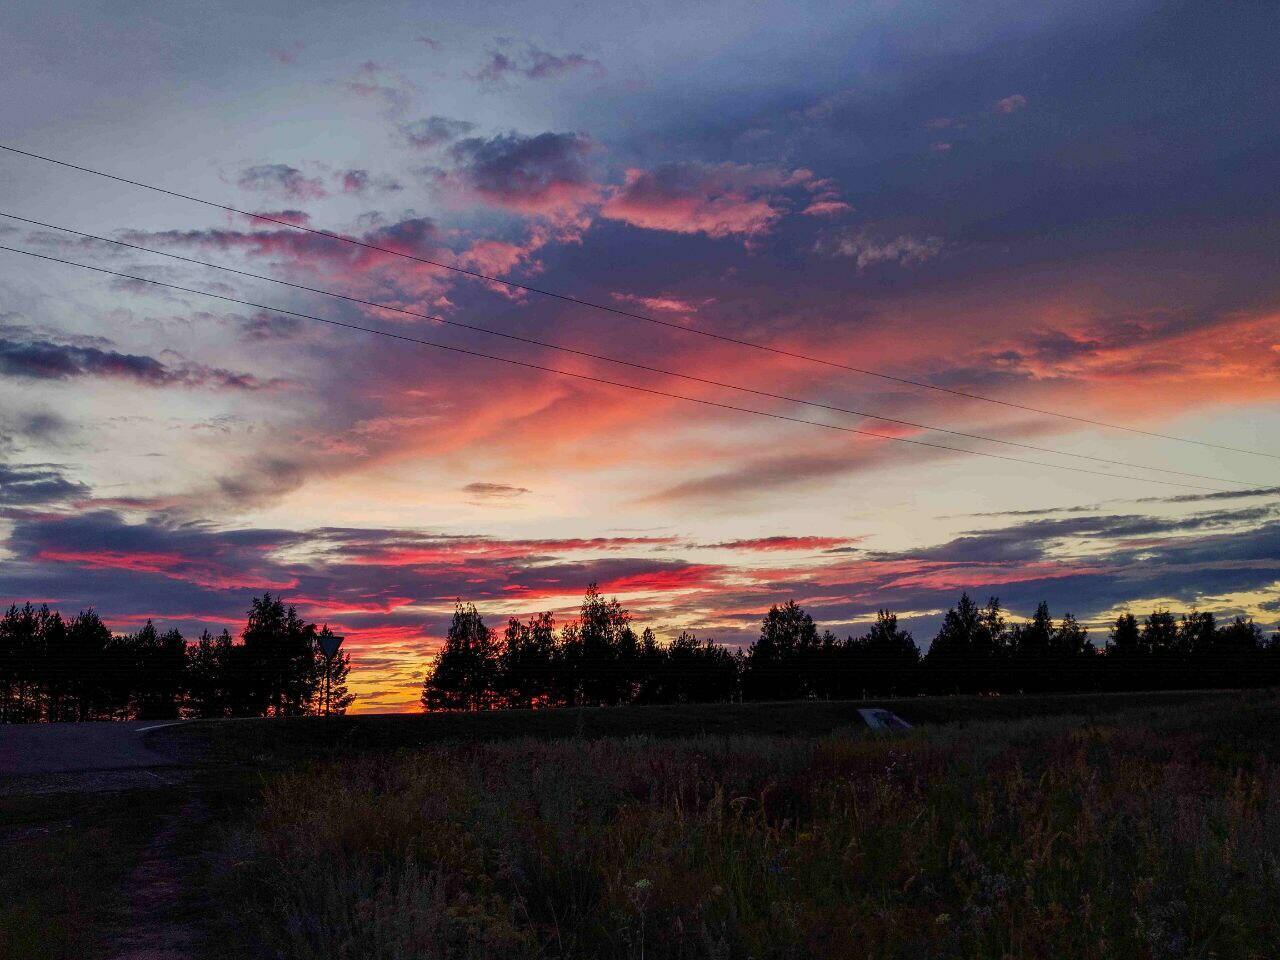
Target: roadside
(38,758)
(109,831)
(100,840)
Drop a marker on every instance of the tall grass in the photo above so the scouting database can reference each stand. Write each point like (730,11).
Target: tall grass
(1152,835)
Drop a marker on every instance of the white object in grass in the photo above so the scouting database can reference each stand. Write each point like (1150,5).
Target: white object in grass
(878,719)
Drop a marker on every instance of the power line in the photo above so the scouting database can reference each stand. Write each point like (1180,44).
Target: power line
(601,380)
(627,363)
(618,311)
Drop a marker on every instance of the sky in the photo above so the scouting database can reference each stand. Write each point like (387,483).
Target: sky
(1065,206)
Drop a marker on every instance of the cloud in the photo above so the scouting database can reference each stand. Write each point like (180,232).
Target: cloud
(264,325)
(781,543)
(281,180)
(665,304)
(494,491)
(299,217)
(389,589)
(535,64)
(717,200)
(39,484)
(760,475)
(868,250)
(543,174)
(1011,104)
(35,425)
(391,91)
(359,270)
(287,56)
(1219,495)
(429,132)
(38,359)
(361,181)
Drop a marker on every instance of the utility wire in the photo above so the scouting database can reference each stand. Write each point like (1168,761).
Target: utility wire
(618,311)
(626,363)
(601,380)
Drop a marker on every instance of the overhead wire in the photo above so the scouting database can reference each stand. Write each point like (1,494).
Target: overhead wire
(599,380)
(616,360)
(618,311)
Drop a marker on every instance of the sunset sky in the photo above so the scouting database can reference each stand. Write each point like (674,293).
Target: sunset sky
(1068,206)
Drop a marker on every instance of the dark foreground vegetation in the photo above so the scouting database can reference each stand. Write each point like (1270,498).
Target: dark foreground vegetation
(600,660)
(58,669)
(1148,833)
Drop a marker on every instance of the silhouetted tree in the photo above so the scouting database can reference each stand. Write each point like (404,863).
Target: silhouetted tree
(886,660)
(775,662)
(278,668)
(86,653)
(969,654)
(21,651)
(158,665)
(599,650)
(55,669)
(465,671)
(527,662)
(209,676)
(693,671)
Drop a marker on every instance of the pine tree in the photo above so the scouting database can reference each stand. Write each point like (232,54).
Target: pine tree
(464,674)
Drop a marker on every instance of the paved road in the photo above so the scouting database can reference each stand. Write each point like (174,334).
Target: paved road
(39,757)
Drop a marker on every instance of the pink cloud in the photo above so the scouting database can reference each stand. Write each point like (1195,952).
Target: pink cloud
(664,304)
(719,201)
(1011,104)
(172,565)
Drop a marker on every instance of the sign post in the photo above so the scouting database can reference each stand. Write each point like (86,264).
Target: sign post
(329,644)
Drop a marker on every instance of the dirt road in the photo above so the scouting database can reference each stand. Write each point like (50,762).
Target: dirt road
(44,757)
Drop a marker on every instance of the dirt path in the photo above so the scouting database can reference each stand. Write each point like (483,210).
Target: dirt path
(159,923)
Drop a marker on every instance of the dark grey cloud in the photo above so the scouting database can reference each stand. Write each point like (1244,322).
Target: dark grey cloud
(1037,539)
(30,357)
(1248,493)
(269,326)
(430,132)
(39,484)
(281,180)
(41,426)
(1220,495)
(526,173)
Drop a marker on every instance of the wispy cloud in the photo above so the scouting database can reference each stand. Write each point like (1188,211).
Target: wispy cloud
(535,64)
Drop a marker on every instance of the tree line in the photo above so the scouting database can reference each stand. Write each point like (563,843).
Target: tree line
(54,668)
(600,660)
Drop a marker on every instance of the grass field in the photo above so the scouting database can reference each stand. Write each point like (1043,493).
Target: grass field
(1148,831)
(288,741)
(63,861)
(1100,826)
